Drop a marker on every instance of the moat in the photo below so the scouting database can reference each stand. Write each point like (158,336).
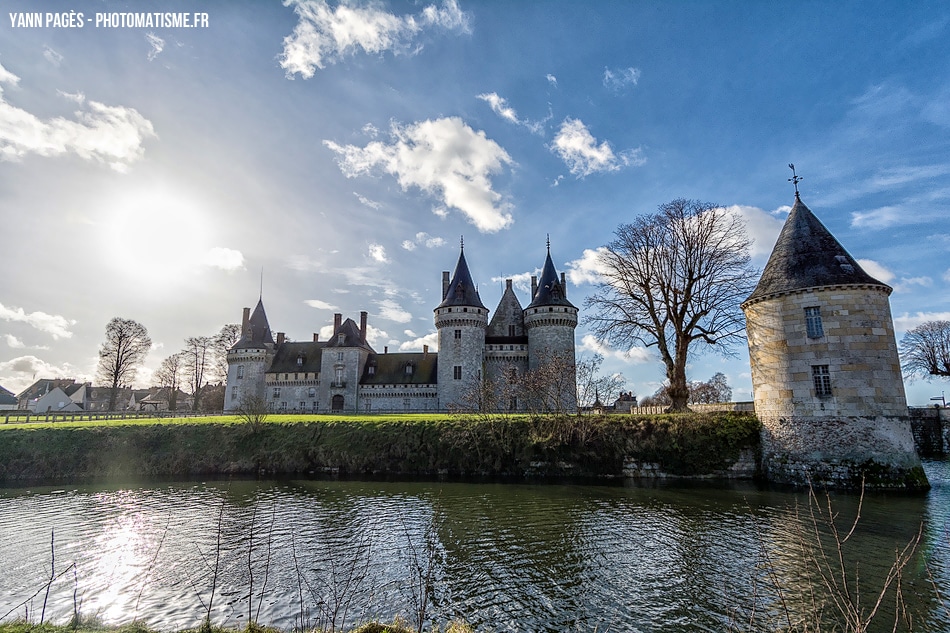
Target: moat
(504,557)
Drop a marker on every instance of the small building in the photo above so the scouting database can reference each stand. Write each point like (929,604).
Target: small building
(8,401)
(825,368)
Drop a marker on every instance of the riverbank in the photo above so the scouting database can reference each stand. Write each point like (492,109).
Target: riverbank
(93,627)
(685,445)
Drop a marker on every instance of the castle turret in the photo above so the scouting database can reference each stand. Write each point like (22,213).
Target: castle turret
(461,320)
(825,367)
(550,320)
(506,351)
(249,358)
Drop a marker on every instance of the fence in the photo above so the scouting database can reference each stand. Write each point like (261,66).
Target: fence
(24,417)
(699,408)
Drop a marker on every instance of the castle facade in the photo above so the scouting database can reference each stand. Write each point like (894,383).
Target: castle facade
(477,361)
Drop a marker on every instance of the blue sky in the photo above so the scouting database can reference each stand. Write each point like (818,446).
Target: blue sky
(344,148)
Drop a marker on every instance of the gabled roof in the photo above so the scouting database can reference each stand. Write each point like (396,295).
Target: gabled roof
(807,255)
(309,353)
(44,386)
(257,331)
(7,397)
(508,313)
(550,291)
(351,336)
(462,290)
(390,369)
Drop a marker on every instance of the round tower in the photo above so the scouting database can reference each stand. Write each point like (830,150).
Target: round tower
(249,358)
(550,320)
(825,367)
(461,320)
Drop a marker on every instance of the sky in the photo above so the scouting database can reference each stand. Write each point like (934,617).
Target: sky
(330,156)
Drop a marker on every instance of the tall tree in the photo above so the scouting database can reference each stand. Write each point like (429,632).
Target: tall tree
(591,384)
(199,361)
(674,278)
(125,348)
(169,375)
(925,350)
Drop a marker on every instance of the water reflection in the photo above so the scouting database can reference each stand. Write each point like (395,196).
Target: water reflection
(502,557)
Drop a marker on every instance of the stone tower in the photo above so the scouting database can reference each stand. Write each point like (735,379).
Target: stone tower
(506,351)
(249,358)
(344,358)
(461,320)
(825,368)
(550,320)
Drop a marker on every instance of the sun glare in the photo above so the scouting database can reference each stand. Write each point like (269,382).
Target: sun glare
(156,237)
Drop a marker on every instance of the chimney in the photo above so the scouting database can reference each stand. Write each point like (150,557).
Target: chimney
(445,283)
(534,286)
(337,320)
(280,338)
(563,286)
(425,351)
(363,327)
(385,349)
(316,337)
(245,320)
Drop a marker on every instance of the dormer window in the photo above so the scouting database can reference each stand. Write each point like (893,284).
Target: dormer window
(371,370)
(408,369)
(300,360)
(340,338)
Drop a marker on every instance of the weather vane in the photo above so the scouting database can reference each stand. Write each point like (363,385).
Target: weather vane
(795,179)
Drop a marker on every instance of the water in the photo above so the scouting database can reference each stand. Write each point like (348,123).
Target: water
(503,557)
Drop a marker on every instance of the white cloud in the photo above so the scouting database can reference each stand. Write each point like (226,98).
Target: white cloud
(320,305)
(876,270)
(423,239)
(634,355)
(224,258)
(409,245)
(108,134)
(589,268)
(924,281)
(551,79)
(761,227)
(326,35)
(499,106)
(14,342)
(444,158)
(879,218)
(156,44)
(620,78)
(521,281)
(372,204)
(19,373)
(53,324)
(907,321)
(392,311)
(52,56)
(578,148)
(415,345)
(378,253)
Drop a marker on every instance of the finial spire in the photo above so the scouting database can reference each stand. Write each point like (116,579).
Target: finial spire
(462,242)
(261,296)
(549,243)
(795,179)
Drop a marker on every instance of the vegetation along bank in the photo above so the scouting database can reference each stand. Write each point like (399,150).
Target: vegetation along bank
(688,445)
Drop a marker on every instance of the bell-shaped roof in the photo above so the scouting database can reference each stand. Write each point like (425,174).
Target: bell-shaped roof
(807,255)
(550,291)
(462,290)
(257,331)
(508,319)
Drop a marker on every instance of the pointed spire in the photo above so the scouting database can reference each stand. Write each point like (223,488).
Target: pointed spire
(550,291)
(462,290)
(258,330)
(807,255)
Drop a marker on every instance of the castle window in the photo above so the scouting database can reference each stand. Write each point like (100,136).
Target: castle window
(457,372)
(822,379)
(339,357)
(276,392)
(511,330)
(312,392)
(240,372)
(406,403)
(813,322)
(371,370)
(458,334)
(300,361)
(233,395)
(303,405)
(408,369)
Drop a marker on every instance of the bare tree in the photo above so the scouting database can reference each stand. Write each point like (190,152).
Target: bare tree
(229,334)
(591,385)
(551,387)
(169,375)
(126,345)
(199,359)
(926,350)
(674,278)
(715,390)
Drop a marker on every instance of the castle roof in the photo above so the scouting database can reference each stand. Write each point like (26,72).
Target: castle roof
(807,255)
(508,319)
(462,290)
(351,336)
(550,291)
(390,369)
(257,331)
(309,353)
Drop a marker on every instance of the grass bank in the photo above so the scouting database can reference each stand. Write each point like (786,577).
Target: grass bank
(587,446)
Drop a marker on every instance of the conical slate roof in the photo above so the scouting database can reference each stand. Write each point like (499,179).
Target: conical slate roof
(550,291)
(462,290)
(257,331)
(508,313)
(807,255)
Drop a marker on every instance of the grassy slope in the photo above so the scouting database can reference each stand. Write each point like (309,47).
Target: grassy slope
(690,444)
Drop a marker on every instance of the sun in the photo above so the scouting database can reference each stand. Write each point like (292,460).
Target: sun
(156,236)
